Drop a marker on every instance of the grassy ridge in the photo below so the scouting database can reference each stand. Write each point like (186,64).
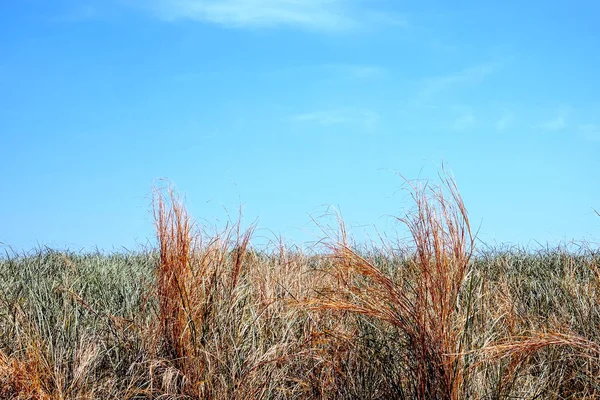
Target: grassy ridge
(206,316)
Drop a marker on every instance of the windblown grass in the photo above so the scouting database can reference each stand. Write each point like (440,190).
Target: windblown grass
(207,316)
(422,307)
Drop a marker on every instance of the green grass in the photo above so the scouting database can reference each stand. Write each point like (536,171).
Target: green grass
(209,317)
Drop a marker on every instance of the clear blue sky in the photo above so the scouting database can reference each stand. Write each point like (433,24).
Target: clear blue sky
(286,106)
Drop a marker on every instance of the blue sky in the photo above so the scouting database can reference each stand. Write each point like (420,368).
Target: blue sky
(287,106)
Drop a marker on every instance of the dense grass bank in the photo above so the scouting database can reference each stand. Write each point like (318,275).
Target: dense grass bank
(207,316)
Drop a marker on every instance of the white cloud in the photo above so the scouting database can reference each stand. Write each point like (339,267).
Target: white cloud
(558,122)
(333,72)
(467,76)
(78,13)
(464,121)
(505,121)
(590,132)
(325,118)
(366,118)
(333,15)
(362,72)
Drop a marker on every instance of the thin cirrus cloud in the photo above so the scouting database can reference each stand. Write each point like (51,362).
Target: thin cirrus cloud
(558,122)
(506,121)
(333,72)
(468,76)
(78,13)
(366,118)
(590,132)
(464,121)
(331,15)
(359,72)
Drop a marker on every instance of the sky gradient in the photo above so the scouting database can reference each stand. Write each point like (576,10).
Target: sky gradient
(286,107)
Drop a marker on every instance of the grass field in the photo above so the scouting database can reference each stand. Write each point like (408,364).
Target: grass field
(207,316)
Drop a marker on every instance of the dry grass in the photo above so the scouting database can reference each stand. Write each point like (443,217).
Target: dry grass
(21,379)
(423,307)
(206,316)
(224,330)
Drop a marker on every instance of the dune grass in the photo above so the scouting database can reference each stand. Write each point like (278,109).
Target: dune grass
(207,316)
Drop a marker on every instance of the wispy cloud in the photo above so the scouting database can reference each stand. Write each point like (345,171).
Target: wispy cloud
(332,15)
(362,72)
(464,121)
(468,76)
(366,118)
(506,120)
(77,12)
(590,132)
(558,122)
(333,72)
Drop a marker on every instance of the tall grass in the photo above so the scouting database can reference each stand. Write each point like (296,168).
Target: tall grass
(207,316)
(222,328)
(422,306)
